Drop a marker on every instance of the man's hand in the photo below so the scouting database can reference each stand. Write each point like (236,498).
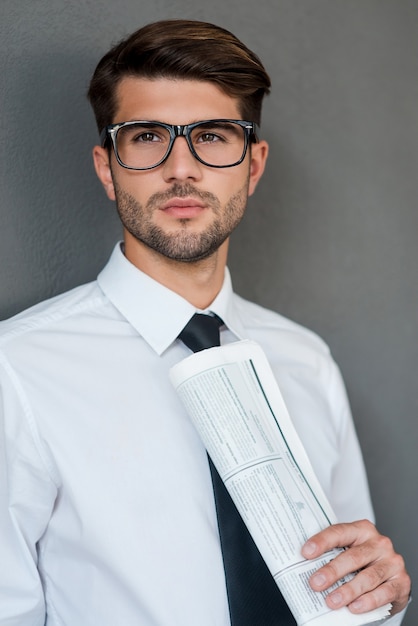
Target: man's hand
(381,576)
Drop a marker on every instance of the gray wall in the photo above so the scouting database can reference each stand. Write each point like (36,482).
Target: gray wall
(329,238)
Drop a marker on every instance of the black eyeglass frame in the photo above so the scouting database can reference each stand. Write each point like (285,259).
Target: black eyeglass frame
(178,130)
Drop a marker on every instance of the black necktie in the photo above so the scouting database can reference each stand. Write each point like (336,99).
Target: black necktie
(253,596)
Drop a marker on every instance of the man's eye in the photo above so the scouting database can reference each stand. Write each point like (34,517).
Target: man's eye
(209,138)
(145,138)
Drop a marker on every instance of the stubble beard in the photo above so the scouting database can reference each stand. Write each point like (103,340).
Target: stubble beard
(183,244)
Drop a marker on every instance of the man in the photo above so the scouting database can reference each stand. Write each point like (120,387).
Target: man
(107,507)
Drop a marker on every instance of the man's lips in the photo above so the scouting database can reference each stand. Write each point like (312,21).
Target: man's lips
(183,207)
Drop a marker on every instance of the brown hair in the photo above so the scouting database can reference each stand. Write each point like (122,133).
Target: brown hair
(181,49)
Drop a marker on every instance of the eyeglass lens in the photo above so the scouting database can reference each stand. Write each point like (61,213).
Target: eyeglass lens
(143,145)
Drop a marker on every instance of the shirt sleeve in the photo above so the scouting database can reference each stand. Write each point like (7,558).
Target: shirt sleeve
(350,491)
(350,495)
(27,496)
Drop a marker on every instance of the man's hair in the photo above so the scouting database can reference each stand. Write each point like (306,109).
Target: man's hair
(181,49)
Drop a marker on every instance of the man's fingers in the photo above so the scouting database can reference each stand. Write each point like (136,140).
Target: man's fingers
(372,587)
(338,536)
(375,566)
(380,574)
(394,591)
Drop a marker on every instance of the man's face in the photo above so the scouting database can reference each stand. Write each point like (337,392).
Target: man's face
(182,209)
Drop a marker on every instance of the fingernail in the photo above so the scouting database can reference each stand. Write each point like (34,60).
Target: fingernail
(357,605)
(336,598)
(318,580)
(309,549)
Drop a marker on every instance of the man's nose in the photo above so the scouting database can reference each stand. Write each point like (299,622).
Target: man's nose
(181,164)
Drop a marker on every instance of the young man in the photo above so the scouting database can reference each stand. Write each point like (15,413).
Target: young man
(107,508)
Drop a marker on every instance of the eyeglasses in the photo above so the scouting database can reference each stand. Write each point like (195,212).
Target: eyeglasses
(141,145)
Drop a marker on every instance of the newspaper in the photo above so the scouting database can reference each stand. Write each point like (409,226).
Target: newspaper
(236,406)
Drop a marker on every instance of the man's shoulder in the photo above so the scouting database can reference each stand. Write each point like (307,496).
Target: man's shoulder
(257,318)
(52,311)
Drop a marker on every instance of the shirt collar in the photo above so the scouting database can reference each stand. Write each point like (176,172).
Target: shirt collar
(157,313)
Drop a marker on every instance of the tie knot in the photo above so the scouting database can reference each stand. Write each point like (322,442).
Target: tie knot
(201,332)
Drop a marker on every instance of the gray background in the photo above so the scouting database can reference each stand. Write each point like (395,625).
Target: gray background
(329,238)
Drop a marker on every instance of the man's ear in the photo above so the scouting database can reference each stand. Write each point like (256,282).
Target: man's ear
(101,160)
(259,153)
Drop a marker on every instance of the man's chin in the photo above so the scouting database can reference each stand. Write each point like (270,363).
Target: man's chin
(183,249)
(187,256)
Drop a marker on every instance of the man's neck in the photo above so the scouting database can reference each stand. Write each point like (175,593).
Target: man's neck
(198,282)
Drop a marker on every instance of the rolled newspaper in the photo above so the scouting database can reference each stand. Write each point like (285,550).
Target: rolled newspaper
(237,408)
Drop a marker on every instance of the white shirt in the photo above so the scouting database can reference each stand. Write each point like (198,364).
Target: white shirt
(106,506)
